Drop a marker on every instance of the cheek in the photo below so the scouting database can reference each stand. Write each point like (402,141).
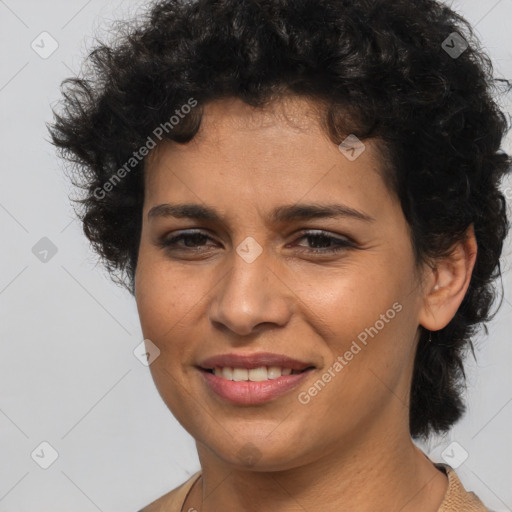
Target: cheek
(170,302)
(343,302)
(366,317)
(164,304)
(163,297)
(154,304)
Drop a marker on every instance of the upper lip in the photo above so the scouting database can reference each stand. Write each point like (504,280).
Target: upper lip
(253,361)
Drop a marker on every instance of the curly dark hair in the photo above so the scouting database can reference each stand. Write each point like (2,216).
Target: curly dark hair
(392,70)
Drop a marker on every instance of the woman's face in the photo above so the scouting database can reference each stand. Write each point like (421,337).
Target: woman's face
(253,283)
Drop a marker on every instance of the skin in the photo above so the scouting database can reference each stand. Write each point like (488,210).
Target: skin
(349,448)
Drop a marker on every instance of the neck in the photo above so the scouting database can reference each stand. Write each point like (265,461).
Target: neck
(378,474)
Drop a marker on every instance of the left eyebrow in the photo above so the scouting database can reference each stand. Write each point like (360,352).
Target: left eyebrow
(317,211)
(287,213)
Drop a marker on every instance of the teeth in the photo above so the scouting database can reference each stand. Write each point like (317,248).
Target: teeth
(258,374)
(240,374)
(227,373)
(274,371)
(254,374)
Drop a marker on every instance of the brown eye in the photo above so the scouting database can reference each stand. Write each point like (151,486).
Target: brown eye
(323,239)
(192,240)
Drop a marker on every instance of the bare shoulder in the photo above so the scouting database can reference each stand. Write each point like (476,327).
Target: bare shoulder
(173,500)
(160,504)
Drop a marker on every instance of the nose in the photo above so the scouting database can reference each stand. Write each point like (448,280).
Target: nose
(250,295)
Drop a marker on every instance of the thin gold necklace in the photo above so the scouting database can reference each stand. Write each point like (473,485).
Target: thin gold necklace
(189,494)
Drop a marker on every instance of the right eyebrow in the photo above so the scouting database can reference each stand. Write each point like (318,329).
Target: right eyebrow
(285,213)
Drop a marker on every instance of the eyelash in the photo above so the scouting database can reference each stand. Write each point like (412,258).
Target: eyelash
(341,244)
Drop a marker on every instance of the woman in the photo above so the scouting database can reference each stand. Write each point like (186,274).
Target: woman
(303,198)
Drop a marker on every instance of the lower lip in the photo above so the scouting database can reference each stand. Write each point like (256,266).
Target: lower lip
(248,392)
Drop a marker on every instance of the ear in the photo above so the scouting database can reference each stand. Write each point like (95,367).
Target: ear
(447,283)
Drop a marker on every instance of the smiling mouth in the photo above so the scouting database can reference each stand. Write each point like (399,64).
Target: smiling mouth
(253,386)
(259,374)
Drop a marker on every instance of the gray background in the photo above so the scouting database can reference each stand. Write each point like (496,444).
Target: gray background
(68,375)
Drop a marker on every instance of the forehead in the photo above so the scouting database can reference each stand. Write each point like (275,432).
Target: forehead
(254,155)
(235,132)
(288,112)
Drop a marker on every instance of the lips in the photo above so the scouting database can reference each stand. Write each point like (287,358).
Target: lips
(249,392)
(250,361)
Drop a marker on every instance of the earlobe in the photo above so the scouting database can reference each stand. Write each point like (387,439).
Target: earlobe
(449,280)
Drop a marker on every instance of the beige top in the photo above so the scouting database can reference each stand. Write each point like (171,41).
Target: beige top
(456,498)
